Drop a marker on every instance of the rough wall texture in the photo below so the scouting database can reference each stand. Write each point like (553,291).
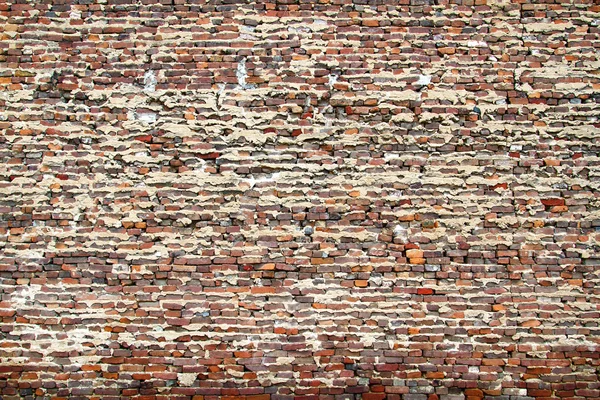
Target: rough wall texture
(295,199)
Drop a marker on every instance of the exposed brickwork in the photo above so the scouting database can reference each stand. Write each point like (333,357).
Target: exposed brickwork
(395,199)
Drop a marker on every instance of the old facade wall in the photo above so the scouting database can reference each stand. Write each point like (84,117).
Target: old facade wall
(369,199)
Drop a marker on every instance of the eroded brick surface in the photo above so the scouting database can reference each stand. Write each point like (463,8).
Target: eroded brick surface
(395,199)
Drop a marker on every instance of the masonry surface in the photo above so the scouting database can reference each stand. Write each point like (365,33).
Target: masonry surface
(297,200)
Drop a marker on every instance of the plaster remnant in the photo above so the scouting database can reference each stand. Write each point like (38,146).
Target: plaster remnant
(186,379)
(184,221)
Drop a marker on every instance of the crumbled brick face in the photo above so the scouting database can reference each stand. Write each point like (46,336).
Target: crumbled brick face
(391,199)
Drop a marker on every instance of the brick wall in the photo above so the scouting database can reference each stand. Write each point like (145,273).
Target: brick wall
(285,200)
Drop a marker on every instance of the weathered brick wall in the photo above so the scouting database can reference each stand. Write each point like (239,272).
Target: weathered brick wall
(297,199)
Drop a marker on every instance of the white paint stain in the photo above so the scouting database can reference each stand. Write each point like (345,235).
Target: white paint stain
(400,232)
(149,81)
(148,118)
(312,340)
(424,80)
(121,269)
(25,295)
(391,156)
(476,43)
(267,178)
(220,93)
(47,342)
(242,74)
(247,33)
(75,14)
(332,80)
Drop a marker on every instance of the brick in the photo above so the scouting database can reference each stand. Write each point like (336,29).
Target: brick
(414,253)
(553,202)
(531,323)
(373,396)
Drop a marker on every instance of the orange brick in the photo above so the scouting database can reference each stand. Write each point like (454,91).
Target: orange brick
(370,22)
(262,290)
(414,253)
